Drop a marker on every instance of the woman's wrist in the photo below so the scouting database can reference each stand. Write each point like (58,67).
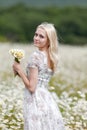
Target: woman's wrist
(20,73)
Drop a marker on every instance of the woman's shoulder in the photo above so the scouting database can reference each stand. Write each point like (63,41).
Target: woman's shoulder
(36,57)
(36,53)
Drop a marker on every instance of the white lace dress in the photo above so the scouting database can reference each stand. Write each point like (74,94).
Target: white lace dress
(40,110)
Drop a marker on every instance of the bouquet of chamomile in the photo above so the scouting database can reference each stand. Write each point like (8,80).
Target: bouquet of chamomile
(18,54)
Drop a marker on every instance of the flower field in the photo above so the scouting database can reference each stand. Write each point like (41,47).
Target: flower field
(69,83)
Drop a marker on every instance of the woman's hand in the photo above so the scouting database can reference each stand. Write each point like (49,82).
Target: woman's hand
(17,68)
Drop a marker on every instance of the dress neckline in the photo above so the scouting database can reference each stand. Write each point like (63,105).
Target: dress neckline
(42,52)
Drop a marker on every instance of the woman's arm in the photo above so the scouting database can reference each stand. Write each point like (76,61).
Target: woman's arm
(31,81)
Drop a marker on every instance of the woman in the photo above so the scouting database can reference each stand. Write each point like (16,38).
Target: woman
(40,110)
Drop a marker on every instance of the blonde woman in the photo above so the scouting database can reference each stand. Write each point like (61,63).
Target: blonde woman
(40,110)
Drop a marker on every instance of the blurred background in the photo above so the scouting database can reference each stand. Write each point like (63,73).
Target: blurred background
(18,21)
(19,18)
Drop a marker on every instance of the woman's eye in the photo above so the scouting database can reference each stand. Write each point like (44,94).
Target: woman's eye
(41,36)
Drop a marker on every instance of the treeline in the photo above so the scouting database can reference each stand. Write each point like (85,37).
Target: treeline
(18,23)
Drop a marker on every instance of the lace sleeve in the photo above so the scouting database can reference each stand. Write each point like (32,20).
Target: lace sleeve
(34,60)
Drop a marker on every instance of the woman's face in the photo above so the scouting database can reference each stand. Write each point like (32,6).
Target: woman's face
(40,39)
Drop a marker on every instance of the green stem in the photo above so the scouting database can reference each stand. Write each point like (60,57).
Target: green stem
(16,59)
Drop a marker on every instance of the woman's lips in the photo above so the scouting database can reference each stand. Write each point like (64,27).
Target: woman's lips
(36,42)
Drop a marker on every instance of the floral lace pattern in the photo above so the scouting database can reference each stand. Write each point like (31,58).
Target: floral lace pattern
(40,110)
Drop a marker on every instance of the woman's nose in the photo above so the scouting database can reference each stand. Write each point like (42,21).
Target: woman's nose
(36,37)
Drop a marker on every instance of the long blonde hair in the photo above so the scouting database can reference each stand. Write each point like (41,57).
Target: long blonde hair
(53,42)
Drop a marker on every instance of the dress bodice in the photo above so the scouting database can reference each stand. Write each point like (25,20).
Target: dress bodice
(39,60)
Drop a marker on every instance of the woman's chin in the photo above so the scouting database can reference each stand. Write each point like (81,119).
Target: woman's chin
(36,45)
